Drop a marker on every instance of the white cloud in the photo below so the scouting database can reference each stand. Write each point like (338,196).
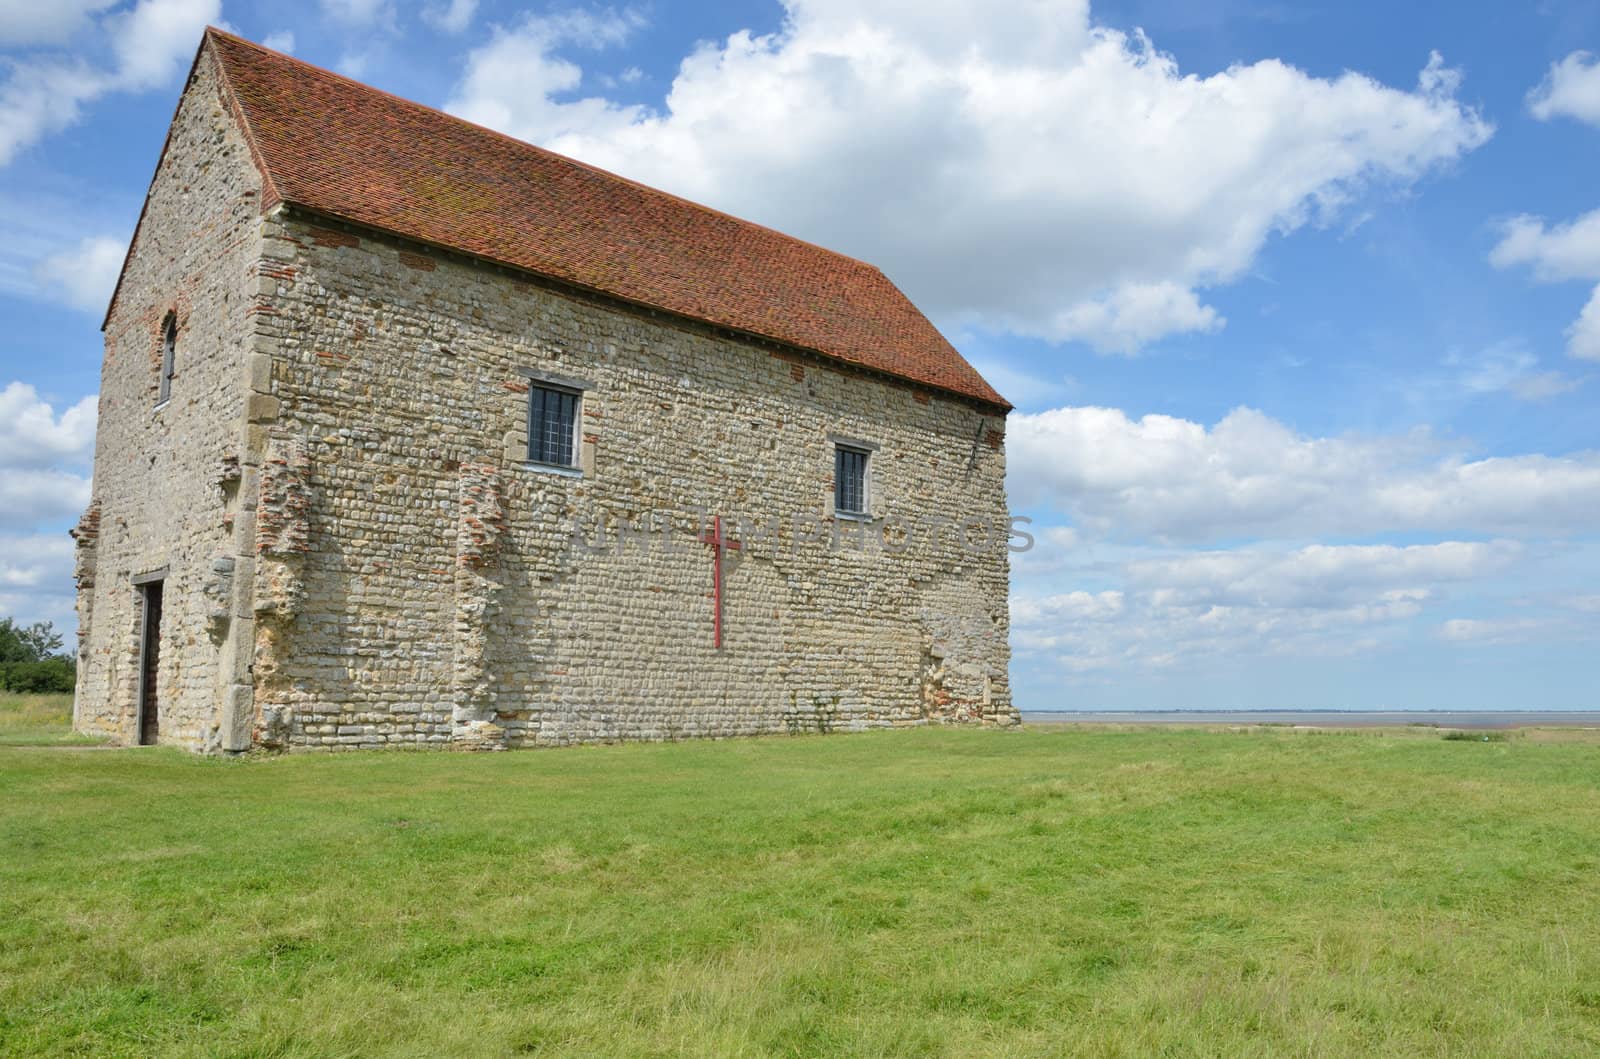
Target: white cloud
(1265,600)
(510,81)
(1132,316)
(1571,89)
(28,22)
(84,276)
(149,43)
(453,18)
(34,498)
(1508,367)
(42,97)
(1148,635)
(358,13)
(33,436)
(36,580)
(1583,337)
(155,40)
(1251,475)
(34,561)
(281,41)
(39,452)
(1568,251)
(1086,187)
(1562,252)
(1317,576)
(1067,606)
(1492,630)
(354,64)
(44,461)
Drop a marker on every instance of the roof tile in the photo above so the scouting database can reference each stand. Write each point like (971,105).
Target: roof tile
(338,147)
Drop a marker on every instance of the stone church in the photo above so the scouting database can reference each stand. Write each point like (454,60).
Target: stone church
(413,433)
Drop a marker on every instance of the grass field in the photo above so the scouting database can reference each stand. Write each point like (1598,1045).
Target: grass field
(1065,892)
(37,720)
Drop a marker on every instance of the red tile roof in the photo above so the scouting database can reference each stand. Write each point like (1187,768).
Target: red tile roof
(338,147)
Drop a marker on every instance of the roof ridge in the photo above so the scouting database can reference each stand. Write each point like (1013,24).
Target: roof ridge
(341,148)
(557,155)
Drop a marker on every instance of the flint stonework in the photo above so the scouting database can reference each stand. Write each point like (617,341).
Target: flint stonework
(359,553)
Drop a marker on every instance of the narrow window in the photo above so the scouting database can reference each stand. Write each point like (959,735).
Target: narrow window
(149,721)
(552,425)
(849,480)
(169,357)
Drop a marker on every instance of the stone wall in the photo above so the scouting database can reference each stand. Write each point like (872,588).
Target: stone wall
(440,595)
(167,478)
(356,552)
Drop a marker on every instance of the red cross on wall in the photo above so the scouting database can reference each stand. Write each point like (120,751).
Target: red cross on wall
(718,543)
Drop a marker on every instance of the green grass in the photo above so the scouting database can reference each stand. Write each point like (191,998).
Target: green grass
(1071,892)
(38,720)
(1475,735)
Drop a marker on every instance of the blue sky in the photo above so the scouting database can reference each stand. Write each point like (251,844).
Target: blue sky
(1294,300)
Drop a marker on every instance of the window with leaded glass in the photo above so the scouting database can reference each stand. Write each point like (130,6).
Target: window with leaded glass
(849,480)
(552,425)
(169,357)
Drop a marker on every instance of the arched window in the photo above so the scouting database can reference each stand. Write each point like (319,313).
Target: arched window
(169,356)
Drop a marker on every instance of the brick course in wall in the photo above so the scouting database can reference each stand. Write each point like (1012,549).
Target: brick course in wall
(360,555)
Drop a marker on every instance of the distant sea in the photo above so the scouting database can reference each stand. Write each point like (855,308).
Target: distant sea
(1326,718)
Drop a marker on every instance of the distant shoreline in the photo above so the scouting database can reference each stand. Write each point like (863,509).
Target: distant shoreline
(1326,718)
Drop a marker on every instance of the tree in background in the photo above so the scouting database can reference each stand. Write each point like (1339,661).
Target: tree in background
(31,659)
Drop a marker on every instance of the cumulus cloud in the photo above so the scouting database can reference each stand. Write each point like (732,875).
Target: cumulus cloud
(83,276)
(42,97)
(1132,316)
(1560,252)
(454,17)
(33,436)
(1076,605)
(30,498)
(147,43)
(155,39)
(34,561)
(510,81)
(27,23)
(1571,89)
(1252,476)
(1082,185)
(281,41)
(1192,544)
(1263,600)
(1318,576)
(1146,636)
(36,578)
(1568,251)
(40,454)
(44,481)
(1583,337)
